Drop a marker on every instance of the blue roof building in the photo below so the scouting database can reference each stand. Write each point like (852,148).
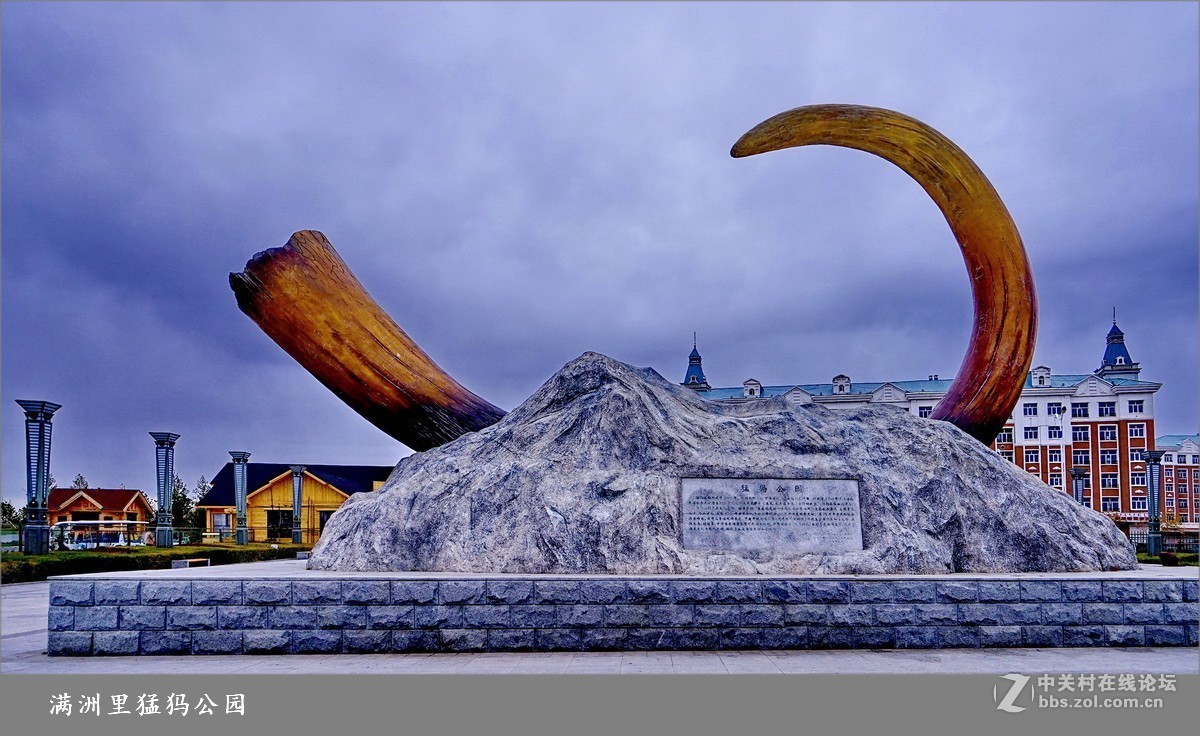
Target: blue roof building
(1116,361)
(694,378)
(1101,420)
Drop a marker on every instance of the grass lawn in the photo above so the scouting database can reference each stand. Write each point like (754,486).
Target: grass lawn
(16,567)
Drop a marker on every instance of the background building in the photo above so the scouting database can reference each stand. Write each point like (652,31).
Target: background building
(1101,420)
(98,504)
(324,489)
(1181,471)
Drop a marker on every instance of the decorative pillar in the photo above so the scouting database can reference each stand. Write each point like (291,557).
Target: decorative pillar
(1078,475)
(37,466)
(297,487)
(164,456)
(241,535)
(1153,459)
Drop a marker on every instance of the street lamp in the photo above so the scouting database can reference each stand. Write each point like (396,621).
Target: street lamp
(241,534)
(164,455)
(1153,459)
(1078,478)
(37,466)
(297,487)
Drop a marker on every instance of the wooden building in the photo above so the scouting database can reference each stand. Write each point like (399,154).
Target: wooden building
(98,504)
(269,498)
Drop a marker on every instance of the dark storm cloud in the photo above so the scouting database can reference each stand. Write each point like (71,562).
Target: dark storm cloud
(519,183)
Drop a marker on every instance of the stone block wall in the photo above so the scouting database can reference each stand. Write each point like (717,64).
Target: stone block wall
(280,616)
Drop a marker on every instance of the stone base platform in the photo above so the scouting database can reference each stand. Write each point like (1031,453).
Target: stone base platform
(280,607)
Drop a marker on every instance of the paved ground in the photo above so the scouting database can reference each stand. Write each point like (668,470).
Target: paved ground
(23,650)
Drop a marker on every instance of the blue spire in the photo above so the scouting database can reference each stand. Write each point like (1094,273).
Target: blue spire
(1116,358)
(694,378)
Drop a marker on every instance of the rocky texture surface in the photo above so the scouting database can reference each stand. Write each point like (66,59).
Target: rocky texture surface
(584,478)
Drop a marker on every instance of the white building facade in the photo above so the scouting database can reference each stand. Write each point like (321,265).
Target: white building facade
(1100,421)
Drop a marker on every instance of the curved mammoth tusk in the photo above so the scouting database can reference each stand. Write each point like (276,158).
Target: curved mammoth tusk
(307,300)
(1001,349)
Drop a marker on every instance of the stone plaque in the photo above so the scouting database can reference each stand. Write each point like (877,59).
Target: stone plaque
(787,515)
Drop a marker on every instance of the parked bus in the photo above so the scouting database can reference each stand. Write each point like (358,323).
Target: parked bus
(76,535)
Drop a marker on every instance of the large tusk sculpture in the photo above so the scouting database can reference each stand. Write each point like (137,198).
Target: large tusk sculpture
(998,357)
(306,299)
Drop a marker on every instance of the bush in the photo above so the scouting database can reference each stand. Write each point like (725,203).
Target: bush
(1168,559)
(22,568)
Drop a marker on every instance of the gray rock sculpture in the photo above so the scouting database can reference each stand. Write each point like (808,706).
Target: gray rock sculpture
(585,477)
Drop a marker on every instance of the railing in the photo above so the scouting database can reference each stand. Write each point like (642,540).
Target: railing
(1171,541)
(68,536)
(276,534)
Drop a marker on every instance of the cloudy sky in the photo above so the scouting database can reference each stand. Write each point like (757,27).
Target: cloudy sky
(517,184)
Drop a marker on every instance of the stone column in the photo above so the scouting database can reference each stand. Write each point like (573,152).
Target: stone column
(37,467)
(241,534)
(1153,460)
(1078,475)
(164,455)
(297,488)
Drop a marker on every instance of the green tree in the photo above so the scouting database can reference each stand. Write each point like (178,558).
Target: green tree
(198,516)
(80,482)
(11,516)
(181,503)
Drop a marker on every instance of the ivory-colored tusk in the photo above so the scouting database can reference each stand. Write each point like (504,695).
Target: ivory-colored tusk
(306,299)
(998,357)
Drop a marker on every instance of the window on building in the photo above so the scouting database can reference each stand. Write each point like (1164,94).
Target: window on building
(1055,455)
(1109,480)
(1029,410)
(1137,430)
(1138,503)
(1079,410)
(1108,432)
(1169,488)
(1081,433)
(1195,459)
(1181,474)
(1106,409)
(1170,503)
(1007,455)
(1031,433)
(1135,454)
(1108,457)
(1081,457)
(131,516)
(1032,456)
(1168,458)
(1111,503)
(1137,479)
(924,411)
(220,521)
(279,523)
(1054,408)
(1056,480)
(1137,406)
(1054,433)
(1183,503)
(1005,435)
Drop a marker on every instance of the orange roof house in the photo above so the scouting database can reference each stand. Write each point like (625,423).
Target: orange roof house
(98,504)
